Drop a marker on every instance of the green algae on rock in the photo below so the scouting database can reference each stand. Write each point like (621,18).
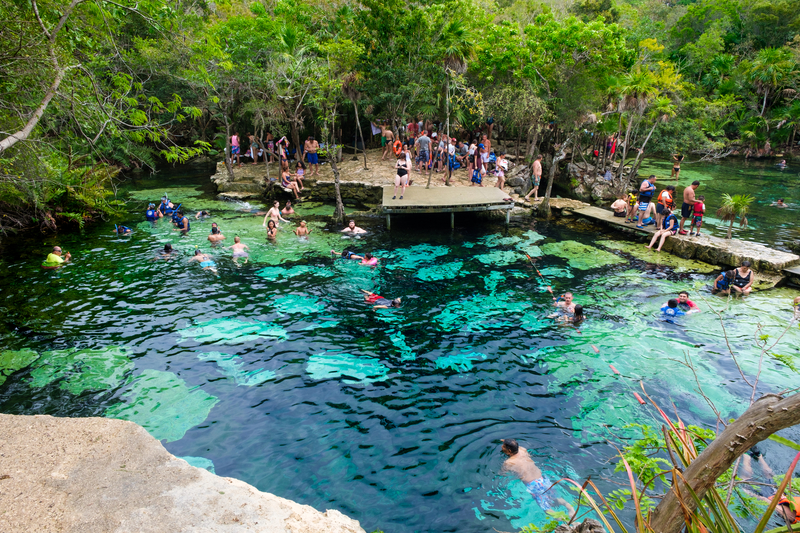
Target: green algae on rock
(297,304)
(230,365)
(581,256)
(231,331)
(355,370)
(440,272)
(13,360)
(414,256)
(161,403)
(82,370)
(640,251)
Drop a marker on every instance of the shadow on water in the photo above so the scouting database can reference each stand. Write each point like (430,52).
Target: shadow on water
(277,372)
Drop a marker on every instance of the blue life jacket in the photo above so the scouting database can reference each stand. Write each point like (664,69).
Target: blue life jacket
(123,229)
(175,218)
(667,219)
(150,214)
(671,311)
(163,208)
(188,225)
(724,283)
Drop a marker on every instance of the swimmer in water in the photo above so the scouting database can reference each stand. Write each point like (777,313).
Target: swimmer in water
(519,462)
(779,203)
(274,214)
(272,230)
(369,260)
(302,230)
(378,301)
(671,309)
(203,214)
(215,236)
(288,210)
(566,304)
(205,261)
(352,229)
(167,252)
(686,304)
(239,249)
(782,164)
(347,254)
(122,230)
(54,258)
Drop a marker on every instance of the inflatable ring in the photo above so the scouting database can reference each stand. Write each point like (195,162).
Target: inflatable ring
(398,147)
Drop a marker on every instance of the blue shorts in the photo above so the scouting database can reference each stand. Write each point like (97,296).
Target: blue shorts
(538,488)
(313,159)
(207,264)
(234,150)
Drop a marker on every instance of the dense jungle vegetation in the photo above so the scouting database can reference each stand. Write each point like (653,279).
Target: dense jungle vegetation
(89,87)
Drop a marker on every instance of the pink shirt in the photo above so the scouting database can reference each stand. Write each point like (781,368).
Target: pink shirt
(371,262)
(235,141)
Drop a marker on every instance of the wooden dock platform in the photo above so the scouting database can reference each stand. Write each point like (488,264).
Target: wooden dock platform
(445,200)
(707,248)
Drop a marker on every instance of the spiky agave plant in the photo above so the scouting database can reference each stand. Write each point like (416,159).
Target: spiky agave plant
(733,207)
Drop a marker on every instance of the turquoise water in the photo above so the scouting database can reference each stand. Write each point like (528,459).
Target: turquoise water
(275,372)
(767,225)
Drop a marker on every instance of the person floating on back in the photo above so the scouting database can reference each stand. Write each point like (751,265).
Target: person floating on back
(519,462)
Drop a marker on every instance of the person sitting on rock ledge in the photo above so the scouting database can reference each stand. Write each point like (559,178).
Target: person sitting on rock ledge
(620,206)
(520,463)
(670,227)
(742,280)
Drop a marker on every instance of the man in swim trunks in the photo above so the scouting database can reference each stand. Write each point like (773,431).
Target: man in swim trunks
(387,140)
(239,248)
(216,235)
(423,144)
(520,463)
(687,209)
(536,179)
(646,191)
(352,229)
(310,147)
(686,304)
(379,301)
(54,258)
(205,261)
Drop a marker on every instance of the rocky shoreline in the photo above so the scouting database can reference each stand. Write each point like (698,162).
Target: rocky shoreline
(95,475)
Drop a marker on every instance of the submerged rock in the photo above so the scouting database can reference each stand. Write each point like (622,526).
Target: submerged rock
(94,475)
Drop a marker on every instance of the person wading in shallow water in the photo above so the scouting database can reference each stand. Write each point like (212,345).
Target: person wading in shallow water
(520,463)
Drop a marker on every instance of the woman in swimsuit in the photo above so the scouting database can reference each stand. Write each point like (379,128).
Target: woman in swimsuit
(272,230)
(287,183)
(300,171)
(676,166)
(401,178)
(742,280)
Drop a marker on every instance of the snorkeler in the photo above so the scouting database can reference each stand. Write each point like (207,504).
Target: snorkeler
(671,309)
(347,254)
(216,235)
(122,230)
(353,229)
(274,214)
(520,463)
(686,304)
(379,301)
(182,223)
(239,248)
(152,214)
(302,230)
(203,214)
(205,261)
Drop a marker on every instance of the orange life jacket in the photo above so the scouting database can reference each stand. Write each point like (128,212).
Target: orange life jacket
(796,504)
(669,204)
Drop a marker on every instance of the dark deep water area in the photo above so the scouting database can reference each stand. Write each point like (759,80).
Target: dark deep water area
(276,372)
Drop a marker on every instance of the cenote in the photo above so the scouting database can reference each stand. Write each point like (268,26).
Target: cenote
(276,372)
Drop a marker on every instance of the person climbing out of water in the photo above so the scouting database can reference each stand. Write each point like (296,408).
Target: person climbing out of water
(779,203)
(379,301)
(620,206)
(687,207)
(274,214)
(215,235)
(353,229)
(54,258)
(742,280)
(205,260)
(646,191)
(519,462)
(686,304)
(347,254)
(698,211)
(670,227)
(122,230)
(302,230)
(239,249)
(671,309)
(288,210)
(272,230)
(152,214)
(722,285)
(369,260)
(665,201)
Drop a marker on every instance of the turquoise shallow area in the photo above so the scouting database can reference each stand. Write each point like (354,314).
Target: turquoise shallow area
(275,371)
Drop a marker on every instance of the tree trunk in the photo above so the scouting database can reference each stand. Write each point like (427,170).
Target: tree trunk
(544,207)
(767,415)
(295,133)
(25,132)
(624,149)
(358,123)
(764,105)
(637,162)
(730,229)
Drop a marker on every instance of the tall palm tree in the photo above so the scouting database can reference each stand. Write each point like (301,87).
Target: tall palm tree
(349,89)
(637,90)
(770,71)
(733,207)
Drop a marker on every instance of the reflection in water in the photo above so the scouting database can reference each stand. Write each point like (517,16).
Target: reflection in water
(276,371)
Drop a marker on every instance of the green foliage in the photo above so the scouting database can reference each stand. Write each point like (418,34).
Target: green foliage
(733,207)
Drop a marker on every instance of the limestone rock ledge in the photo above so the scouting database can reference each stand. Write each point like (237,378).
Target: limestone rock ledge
(92,475)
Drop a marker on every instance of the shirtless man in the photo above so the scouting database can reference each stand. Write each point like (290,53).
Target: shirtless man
(487,149)
(388,135)
(274,214)
(687,208)
(216,235)
(352,229)
(536,179)
(239,248)
(520,463)
(302,230)
(206,261)
(310,148)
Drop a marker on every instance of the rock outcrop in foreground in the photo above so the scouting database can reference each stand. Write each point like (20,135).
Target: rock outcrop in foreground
(92,475)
